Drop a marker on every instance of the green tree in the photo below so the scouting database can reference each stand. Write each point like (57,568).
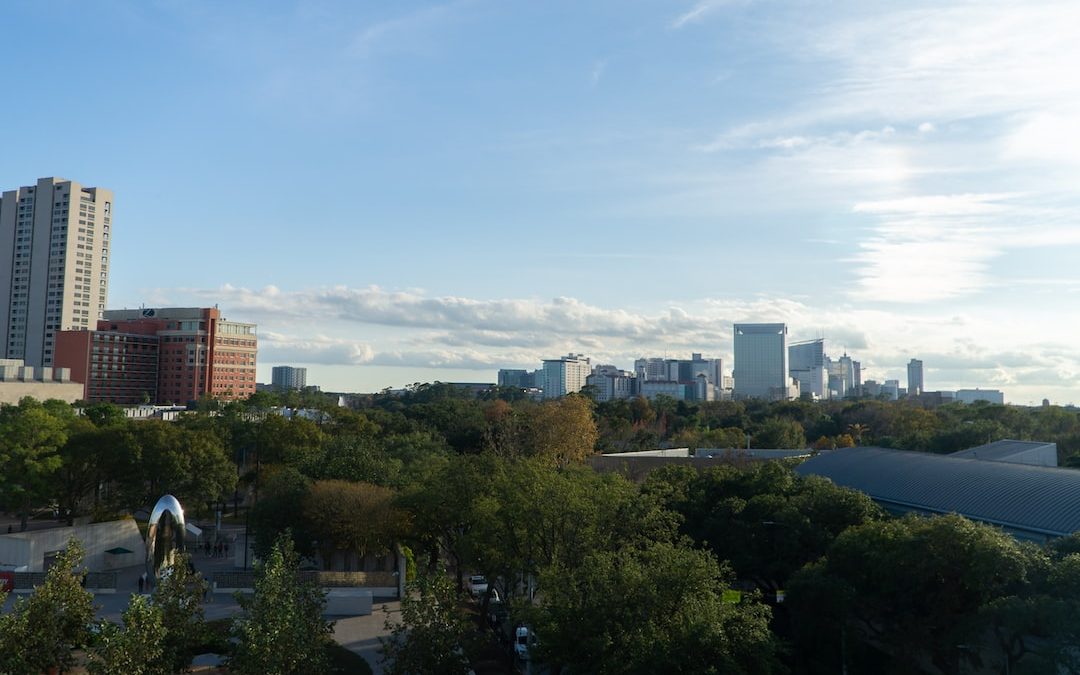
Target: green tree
(281,508)
(779,432)
(134,649)
(178,594)
(282,631)
(434,633)
(30,442)
(650,610)
(914,585)
(358,517)
(41,630)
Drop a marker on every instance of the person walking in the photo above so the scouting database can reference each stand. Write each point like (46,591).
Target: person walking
(142,582)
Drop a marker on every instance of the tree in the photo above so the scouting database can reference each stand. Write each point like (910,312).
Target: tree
(282,631)
(913,585)
(358,517)
(434,633)
(281,508)
(134,649)
(30,441)
(779,432)
(650,610)
(41,630)
(561,431)
(178,594)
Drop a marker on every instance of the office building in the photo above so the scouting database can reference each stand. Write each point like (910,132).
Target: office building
(54,265)
(283,378)
(845,376)
(169,355)
(806,361)
(915,377)
(651,369)
(761,362)
(565,375)
(18,380)
(974,395)
(510,377)
(611,383)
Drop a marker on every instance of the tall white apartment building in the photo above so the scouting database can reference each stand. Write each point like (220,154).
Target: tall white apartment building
(761,362)
(565,375)
(54,265)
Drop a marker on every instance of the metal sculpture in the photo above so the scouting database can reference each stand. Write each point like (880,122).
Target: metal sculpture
(164,535)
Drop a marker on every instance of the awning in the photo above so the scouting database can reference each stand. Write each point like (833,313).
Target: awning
(118,551)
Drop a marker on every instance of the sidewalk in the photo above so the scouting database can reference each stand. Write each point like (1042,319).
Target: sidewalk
(360,634)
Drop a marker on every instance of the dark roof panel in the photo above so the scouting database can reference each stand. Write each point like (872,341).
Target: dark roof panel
(1044,500)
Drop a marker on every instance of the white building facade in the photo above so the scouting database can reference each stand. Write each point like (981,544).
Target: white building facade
(761,361)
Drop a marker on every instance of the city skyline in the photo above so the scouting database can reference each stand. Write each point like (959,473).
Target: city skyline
(434,191)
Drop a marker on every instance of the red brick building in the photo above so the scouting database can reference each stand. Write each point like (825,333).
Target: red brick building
(169,355)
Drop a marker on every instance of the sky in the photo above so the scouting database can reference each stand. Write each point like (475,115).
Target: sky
(416,191)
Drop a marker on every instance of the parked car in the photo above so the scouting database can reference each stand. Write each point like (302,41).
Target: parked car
(478,585)
(521,643)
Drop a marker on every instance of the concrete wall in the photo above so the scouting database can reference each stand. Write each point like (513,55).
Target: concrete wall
(96,539)
(11,392)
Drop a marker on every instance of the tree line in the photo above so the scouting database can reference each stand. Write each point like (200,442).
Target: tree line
(614,576)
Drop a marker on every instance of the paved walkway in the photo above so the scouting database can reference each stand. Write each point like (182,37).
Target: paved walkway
(360,634)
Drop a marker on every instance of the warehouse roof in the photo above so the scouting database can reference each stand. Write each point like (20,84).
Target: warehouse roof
(1032,500)
(1006,450)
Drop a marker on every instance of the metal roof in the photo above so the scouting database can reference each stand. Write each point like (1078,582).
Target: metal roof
(1034,499)
(1004,449)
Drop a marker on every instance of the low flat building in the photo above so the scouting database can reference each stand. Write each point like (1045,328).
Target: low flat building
(1030,502)
(17,381)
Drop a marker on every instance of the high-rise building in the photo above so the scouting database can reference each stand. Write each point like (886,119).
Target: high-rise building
(198,353)
(761,361)
(288,377)
(915,384)
(807,363)
(611,383)
(565,375)
(651,369)
(512,377)
(54,265)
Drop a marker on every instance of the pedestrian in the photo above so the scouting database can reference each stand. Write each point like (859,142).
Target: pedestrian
(217,550)
(142,582)
(226,549)
(206,545)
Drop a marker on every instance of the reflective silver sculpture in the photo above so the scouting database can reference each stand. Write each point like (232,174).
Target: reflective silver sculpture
(164,535)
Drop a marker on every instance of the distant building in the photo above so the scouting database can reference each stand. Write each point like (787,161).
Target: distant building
(54,265)
(973,395)
(845,377)
(18,380)
(684,371)
(198,353)
(651,369)
(521,379)
(284,378)
(761,362)
(891,389)
(565,375)
(650,389)
(915,385)
(612,383)
(807,364)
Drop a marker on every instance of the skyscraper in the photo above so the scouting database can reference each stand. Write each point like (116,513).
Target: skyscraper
(915,377)
(54,265)
(761,361)
(807,362)
(288,377)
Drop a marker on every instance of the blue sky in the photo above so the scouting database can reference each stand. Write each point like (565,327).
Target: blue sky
(408,191)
